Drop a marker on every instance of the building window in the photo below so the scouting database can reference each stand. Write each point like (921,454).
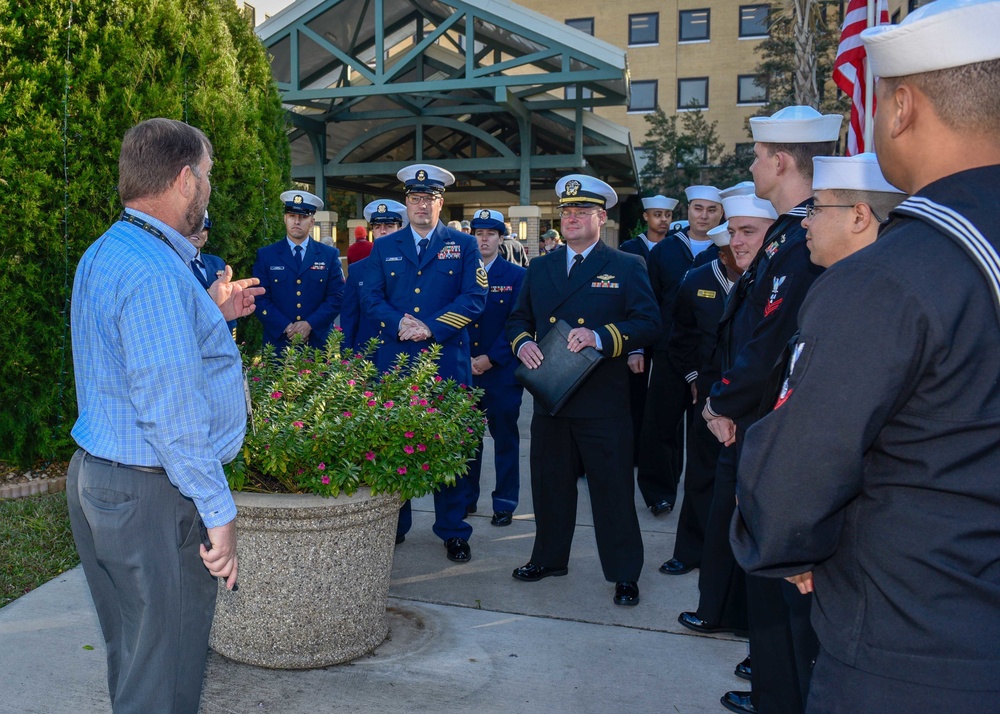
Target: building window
(643,98)
(693,26)
(695,156)
(583,24)
(744,153)
(754,20)
(250,13)
(748,91)
(692,93)
(644,29)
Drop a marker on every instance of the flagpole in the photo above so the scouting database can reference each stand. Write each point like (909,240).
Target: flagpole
(870,85)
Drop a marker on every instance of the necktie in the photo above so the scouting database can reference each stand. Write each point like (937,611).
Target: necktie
(577,260)
(199,271)
(298,256)
(421,247)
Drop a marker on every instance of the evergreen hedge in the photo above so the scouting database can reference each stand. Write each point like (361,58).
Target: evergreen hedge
(100,68)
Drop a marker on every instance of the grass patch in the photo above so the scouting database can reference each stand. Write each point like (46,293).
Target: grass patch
(36,543)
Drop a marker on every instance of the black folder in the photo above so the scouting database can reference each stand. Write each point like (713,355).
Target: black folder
(562,371)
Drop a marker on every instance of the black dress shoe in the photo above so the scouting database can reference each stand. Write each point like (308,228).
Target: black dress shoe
(738,702)
(469,510)
(502,518)
(661,507)
(531,572)
(400,538)
(626,593)
(458,550)
(743,669)
(691,621)
(675,567)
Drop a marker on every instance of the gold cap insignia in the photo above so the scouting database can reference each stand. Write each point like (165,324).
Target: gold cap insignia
(382,208)
(572,187)
(297,200)
(421,175)
(484,214)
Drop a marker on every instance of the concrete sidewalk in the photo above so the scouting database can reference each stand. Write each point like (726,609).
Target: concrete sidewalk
(463,638)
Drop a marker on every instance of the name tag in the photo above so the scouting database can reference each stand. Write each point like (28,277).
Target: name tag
(393,258)
(706,293)
(277,267)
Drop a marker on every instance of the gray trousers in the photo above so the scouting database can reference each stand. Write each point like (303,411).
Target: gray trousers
(138,540)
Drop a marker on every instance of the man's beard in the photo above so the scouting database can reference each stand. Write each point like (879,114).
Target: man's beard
(195,216)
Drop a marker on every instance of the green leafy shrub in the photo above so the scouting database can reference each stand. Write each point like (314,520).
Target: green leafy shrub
(324,422)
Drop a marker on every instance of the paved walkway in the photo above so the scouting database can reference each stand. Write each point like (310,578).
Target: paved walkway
(463,638)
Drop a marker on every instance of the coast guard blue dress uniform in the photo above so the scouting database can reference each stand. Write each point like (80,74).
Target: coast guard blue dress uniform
(446,289)
(310,289)
(502,392)
(358,326)
(661,442)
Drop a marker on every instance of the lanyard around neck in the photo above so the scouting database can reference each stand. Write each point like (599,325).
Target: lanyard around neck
(148,227)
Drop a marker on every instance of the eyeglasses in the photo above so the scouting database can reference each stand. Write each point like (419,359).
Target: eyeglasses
(812,210)
(415,199)
(579,213)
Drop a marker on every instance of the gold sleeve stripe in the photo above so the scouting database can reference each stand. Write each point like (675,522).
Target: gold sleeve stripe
(516,342)
(460,318)
(452,320)
(616,337)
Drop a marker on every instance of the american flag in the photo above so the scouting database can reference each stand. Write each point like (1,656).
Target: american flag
(849,66)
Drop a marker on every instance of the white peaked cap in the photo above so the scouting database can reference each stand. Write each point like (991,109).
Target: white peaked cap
(705,193)
(940,35)
(748,207)
(385,210)
(850,173)
(425,178)
(720,235)
(583,190)
(796,125)
(658,201)
(743,188)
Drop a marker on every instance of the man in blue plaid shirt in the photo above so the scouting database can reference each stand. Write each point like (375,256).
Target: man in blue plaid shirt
(162,407)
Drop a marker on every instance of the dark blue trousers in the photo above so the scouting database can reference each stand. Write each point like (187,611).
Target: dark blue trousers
(502,406)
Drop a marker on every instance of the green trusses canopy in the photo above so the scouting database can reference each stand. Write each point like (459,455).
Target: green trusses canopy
(489,90)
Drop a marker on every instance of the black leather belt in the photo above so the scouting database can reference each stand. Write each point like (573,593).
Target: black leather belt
(144,469)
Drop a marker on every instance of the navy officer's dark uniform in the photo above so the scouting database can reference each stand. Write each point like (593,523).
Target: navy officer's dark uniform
(502,392)
(445,289)
(878,468)
(608,293)
(310,289)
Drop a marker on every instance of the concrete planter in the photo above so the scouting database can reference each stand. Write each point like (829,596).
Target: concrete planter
(314,580)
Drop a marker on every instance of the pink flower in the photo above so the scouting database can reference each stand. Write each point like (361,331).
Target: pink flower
(298,424)
(390,404)
(421,447)
(276,395)
(325,480)
(408,434)
(266,447)
(306,371)
(322,466)
(437,378)
(413,402)
(414,388)
(368,394)
(438,437)
(469,429)
(299,472)
(338,329)
(351,382)
(423,402)
(256,379)
(431,410)
(463,386)
(401,470)
(408,449)
(344,362)
(347,415)
(371,402)
(425,467)
(370,455)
